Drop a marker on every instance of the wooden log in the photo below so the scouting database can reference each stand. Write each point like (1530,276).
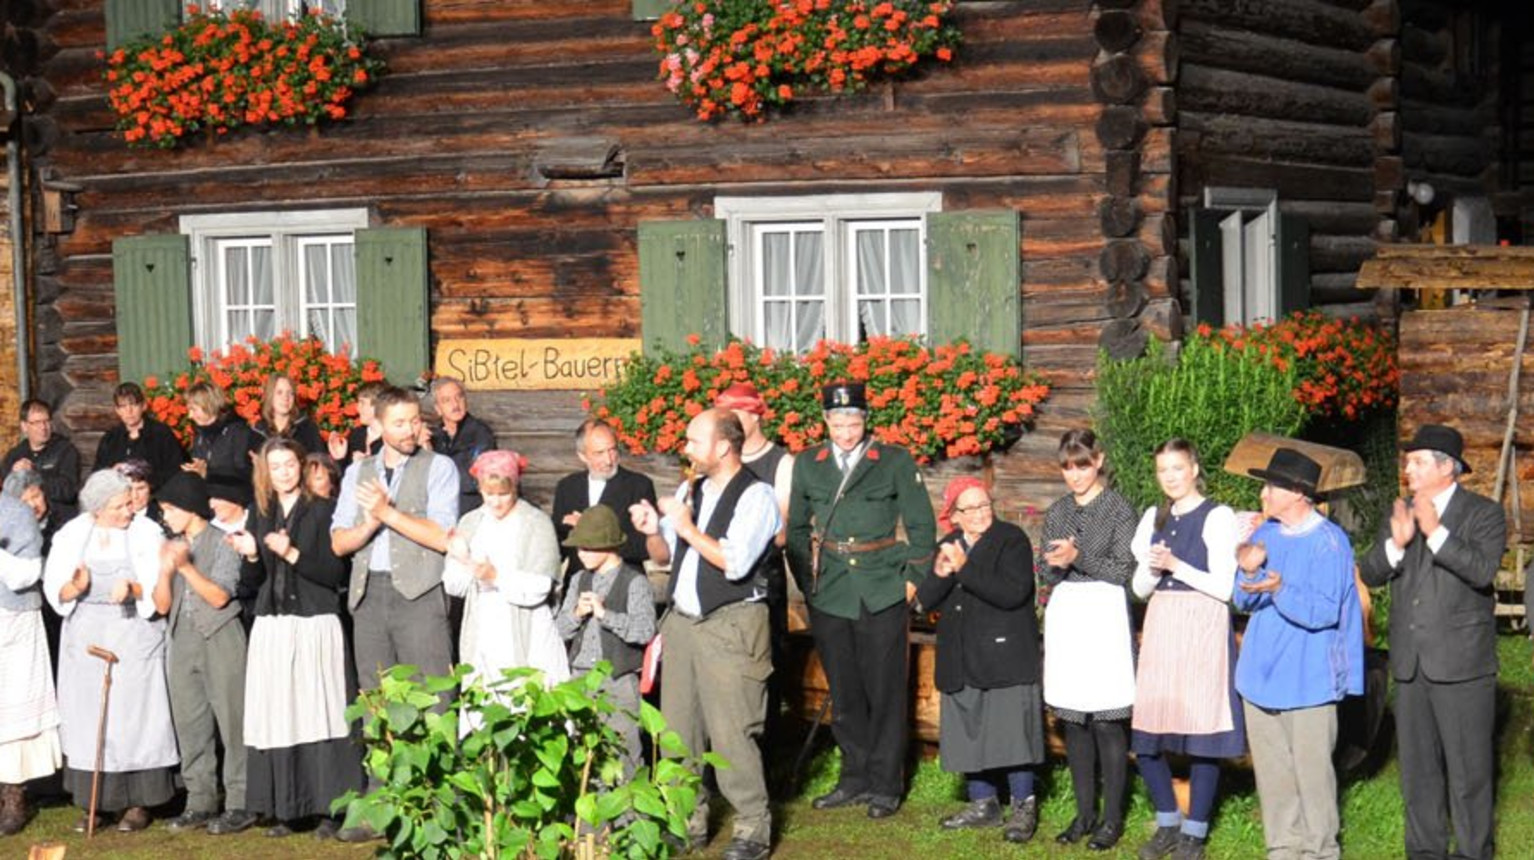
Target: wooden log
(1125,299)
(1160,106)
(1123,339)
(1315,182)
(1116,30)
(1120,127)
(1119,216)
(1161,280)
(1334,288)
(1433,85)
(1252,51)
(1335,217)
(1385,129)
(1448,273)
(1158,233)
(1429,118)
(1510,253)
(1339,253)
(1123,260)
(1384,57)
(1156,150)
(1158,56)
(1279,140)
(1389,173)
(1424,47)
(1383,17)
(1384,93)
(1213,90)
(1162,319)
(1122,169)
(1117,80)
(1158,14)
(1307,22)
(1452,154)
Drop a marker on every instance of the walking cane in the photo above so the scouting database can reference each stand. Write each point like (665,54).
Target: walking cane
(101,733)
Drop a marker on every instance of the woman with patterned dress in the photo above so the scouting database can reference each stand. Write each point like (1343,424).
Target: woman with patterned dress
(100,576)
(1089,673)
(300,752)
(1185,697)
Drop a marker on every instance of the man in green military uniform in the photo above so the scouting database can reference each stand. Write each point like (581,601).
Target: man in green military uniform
(848,496)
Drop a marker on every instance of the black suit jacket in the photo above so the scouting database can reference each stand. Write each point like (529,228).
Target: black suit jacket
(988,634)
(1443,619)
(623,489)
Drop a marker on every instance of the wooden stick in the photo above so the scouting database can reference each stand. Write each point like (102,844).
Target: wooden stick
(101,734)
(1512,407)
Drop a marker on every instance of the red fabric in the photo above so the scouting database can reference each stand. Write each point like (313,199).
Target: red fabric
(951,495)
(506,464)
(742,396)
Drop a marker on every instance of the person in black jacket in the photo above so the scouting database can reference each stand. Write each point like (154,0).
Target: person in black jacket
(51,456)
(280,416)
(140,436)
(604,482)
(224,443)
(992,718)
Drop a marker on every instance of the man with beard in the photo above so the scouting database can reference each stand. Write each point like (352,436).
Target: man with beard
(604,482)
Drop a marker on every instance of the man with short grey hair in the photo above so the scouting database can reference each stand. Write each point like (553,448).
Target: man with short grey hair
(603,482)
(1440,552)
(461,437)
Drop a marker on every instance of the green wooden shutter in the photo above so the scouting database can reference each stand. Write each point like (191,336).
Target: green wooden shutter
(152,284)
(1205,267)
(1293,261)
(393,317)
(385,17)
(650,10)
(129,19)
(974,280)
(682,283)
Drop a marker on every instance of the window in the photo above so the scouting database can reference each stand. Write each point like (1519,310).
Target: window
(264,273)
(843,267)
(1249,261)
(276,10)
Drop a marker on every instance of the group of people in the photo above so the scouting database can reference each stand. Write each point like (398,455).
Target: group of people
(269,566)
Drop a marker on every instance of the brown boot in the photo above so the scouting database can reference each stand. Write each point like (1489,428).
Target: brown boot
(13,809)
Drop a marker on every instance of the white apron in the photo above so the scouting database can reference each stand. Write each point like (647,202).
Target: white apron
(1088,656)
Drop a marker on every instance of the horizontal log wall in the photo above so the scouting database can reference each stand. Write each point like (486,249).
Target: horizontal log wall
(1287,94)
(1455,366)
(449,139)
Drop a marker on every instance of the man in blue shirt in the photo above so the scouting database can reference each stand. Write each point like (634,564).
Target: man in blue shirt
(1303,652)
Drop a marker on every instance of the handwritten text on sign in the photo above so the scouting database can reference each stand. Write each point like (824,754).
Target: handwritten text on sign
(521,364)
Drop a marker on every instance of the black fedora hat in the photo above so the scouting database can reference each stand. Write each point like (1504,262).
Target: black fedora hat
(1291,470)
(1437,437)
(844,395)
(187,491)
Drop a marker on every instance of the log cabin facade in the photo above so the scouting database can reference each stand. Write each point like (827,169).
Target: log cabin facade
(519,172)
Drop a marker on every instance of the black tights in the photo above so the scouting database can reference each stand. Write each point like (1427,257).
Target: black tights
(1098,743)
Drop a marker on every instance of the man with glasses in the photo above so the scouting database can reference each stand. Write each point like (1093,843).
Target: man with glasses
(848,497)
(52,457)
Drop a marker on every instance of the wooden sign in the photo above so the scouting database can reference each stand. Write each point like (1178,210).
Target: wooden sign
(578,364)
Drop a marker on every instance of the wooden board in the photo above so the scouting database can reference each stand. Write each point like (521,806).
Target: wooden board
(1340,468)
(525,364)
(1424,267)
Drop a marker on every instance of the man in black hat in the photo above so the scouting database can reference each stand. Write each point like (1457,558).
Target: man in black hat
(199,573)
(848,496)
(1297,583)
(1440,552)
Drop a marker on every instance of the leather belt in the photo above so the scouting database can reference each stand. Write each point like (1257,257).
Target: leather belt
(852,547)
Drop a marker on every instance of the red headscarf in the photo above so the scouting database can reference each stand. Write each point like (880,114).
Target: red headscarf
(951,494)
(742,396)
(505,464)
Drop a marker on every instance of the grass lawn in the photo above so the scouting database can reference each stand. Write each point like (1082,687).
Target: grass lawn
(1371,814)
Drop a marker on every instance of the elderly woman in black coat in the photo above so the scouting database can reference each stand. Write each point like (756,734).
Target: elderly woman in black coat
(992,722)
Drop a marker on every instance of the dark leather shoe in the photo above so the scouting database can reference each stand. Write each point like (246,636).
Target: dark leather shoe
(1162,842)
(1078,831)
(1023,822)
(1106,836)
(326,829)
(232,821)
(745,849)
(838,796)
(1189,848)
(985,812)
(190,820)
(134,820)
(83,822)
(882,806)
(360,833)
(280,830)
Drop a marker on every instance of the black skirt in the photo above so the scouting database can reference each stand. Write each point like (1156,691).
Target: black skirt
(124,790)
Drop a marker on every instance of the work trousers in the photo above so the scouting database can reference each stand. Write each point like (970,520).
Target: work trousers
(1296,784)
(1445,733)
(388,630)
(206,678)
(714,695)
(865,665)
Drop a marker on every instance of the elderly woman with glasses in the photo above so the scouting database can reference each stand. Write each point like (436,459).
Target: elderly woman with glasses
(101,576)
(992,721)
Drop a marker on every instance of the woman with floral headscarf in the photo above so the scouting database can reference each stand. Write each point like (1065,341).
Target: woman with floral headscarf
(503,559)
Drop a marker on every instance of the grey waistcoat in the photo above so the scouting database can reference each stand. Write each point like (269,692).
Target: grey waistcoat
(18,530)
(414,569)
(219,563)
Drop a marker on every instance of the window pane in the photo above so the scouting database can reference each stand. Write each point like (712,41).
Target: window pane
(265,324)
(812,325)
(345,334)
(904,274)
(236,276)
(870,251)
(239,325)
(261,276)
(317,323)
(316,274)
(905,317)
(776,269)
(873,319)
(343,273)
(809,264)
(777,325)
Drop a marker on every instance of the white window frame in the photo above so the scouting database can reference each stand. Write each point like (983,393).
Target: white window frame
(273,10)
(837,214)
(287,233)
(1248,252)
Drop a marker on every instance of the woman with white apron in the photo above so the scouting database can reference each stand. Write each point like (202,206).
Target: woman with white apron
(100,576)
(1089,673)
(503,559)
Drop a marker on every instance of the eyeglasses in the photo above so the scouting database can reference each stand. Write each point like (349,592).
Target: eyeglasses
(973,508)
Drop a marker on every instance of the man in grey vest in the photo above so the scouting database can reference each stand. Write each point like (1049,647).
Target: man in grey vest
(392,517)
(717,532)
(206,670)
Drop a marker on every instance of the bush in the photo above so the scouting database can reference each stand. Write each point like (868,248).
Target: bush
(1212,394)
(515,783)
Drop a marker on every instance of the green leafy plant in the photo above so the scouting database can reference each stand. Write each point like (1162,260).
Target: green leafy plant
(515,769)
(1212,394)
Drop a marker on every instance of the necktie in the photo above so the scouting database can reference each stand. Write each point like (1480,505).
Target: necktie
(844,458)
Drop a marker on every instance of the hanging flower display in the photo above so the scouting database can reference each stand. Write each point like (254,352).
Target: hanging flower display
(740,57)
